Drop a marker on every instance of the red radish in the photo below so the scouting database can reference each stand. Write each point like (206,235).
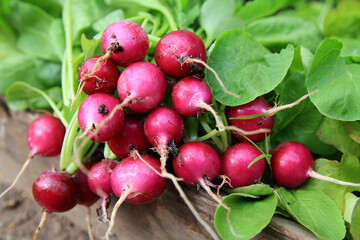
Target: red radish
(86,196)
(132,135)
(55,192)
(104,79)
(44,137)
(257,106)
(190,95)
(126,41)
(99,181)
(176,45)
(143,82)
(235,165)
(95,118)
(197,163)
(292,163)
(135,181)
(161,126)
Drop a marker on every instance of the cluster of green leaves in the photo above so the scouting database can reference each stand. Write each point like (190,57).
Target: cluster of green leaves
(279,49)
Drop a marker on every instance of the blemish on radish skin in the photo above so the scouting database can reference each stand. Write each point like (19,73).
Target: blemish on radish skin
(102,110)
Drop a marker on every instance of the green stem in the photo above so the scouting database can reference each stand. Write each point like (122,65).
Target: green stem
(208,129)
(85,155)
(191,128)
(207,136)
(163,29)
(153,38)
(170,18)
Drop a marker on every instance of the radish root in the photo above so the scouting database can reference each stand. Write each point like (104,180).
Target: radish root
(44,215)
(313,174)
(89,226)
(25,165)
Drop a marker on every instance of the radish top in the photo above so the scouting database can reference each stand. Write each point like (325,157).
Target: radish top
(175,45)
(145,81)
(129,39)
(257,106)
(55,191)
(144,184)
(196,160)
(188,93)
(45,136)
(163,125)
(290,164)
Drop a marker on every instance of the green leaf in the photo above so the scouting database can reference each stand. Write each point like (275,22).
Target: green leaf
(256,190)
(248,216)
(350,203)
(354,131)
(300,122)
(316,211)
(261,8)
(57,38)
(245,67)
(108,154)
(338,84)
(347,170)
(351,47)
(278,31)
(345,21)
(217,17)
(355,222)
(302,60)
(334,133)
(114,16)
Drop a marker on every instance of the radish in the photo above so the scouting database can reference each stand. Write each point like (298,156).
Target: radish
(162,126)
(292,163)
(86,196)
(100,117)
(103,79)
(99,181)
(55,192)
(176,45)
(44,137)
(135,181)
(125,42)
(131,136)
(141,87)
(235,165)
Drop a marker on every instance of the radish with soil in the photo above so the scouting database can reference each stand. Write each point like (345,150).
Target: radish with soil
(55,192)
(235,164)
(292,164)
(134,181)
(99,181)
(131,136)
(44,137)
(125,42)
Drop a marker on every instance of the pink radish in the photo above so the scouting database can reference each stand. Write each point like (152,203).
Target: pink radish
(44,137)
(235,165)
(135,181)
(292,163)
(55,192)
(176,45)
(99,181)
(131,136)
(102,79)
(96,119)
(141,86)
(125,42)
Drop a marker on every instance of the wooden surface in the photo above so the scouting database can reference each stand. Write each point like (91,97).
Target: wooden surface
(166,218)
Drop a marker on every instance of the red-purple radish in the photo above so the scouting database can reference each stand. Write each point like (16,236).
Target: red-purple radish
(173,47)
(99,181)
(126,41)
(103,79)
(144,83)
(131,136)
(95,118)
(196,163)
(235,163)
(135,181)
(257,106)
(86,196)
(189,96)
(45,138)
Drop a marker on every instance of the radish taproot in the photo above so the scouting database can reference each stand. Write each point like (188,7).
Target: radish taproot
(135,181)
(141,87)
(55,192)
(125,42)
(235,163)
(131,136)
(45,138)
(292,164)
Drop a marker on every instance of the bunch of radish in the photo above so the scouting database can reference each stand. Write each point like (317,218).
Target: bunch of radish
(143,130)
